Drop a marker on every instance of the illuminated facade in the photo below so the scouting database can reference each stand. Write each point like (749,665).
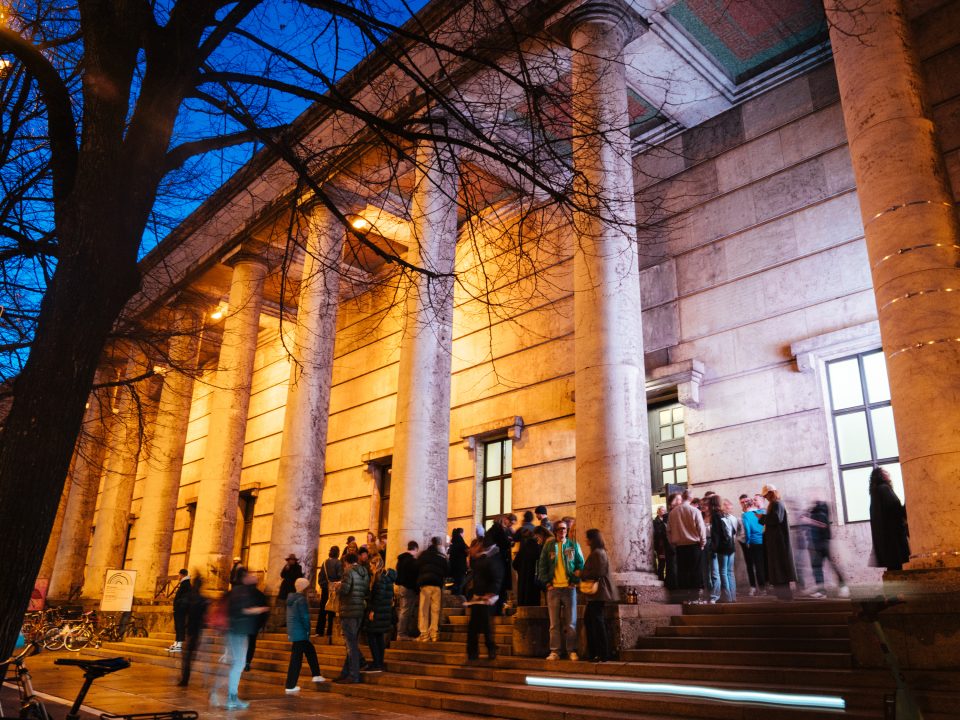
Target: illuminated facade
(739,346)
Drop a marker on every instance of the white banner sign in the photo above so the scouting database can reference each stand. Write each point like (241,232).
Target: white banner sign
(118,591)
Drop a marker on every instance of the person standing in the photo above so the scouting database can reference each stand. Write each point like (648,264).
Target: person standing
(288,575)
(331,571)
(660,543)
(525,563)
(243,612)
(543,518)
(487,569)
(561,561)
(688,535)
(528,521)
(596,569)
(236,572)
(670,573)
(726,528)
(380,617)
(432,570)
(196,610)
(180,611)
(298,632)
(354,589)
(261,621)
(409,593)
(888,523)
(776,543)
(458,561)
(752,545)
(500,534)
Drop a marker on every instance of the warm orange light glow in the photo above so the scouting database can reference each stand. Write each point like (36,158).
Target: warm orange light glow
(360,224)
(218,312)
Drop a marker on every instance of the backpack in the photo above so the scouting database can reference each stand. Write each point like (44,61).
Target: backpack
(218,615)
(726,542)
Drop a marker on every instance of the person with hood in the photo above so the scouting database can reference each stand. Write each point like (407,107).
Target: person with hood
(487,581)
(432,570)
(354,590)
(380,617)
(298,632)
(196,611)
(888,523)
(458,561)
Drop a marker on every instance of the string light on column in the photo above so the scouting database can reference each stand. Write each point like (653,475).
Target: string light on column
(914,248)
(916,293)
(910,203)
(921,345)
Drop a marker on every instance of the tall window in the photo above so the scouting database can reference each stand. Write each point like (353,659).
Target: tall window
(668,450)
(497,479)
(386,476)
(863,428)
(244,528)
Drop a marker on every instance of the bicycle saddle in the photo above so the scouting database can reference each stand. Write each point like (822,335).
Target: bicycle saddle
(96,667)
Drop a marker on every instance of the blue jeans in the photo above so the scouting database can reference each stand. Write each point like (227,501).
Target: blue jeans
(237,652)
(562,608)
(351,636)
(712,575)
(728,580)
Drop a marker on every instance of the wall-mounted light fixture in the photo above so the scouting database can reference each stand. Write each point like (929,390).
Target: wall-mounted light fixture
(219,311)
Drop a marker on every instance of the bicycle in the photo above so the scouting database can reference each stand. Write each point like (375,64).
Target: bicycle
(32,708)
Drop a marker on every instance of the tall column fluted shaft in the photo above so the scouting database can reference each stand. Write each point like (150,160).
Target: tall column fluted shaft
(913,244)
(84,482)
(164,458)
(418,493)
(612,467)
(217,499)
(53,543)
(119,476)
(296,515)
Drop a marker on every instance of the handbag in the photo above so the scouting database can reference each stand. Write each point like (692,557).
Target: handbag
(333,601)
(589,587)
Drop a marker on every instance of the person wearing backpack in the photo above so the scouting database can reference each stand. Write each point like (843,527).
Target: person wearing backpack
(726,527)
(331,571)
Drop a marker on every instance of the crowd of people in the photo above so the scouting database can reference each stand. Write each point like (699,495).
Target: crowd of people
(695,540)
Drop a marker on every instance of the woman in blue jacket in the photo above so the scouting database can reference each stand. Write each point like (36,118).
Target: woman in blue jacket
(298,631)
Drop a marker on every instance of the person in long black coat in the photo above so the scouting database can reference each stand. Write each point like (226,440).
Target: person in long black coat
(776,543)
(888,523)
(525,563)
(499,534)
(291,572)
(457,557)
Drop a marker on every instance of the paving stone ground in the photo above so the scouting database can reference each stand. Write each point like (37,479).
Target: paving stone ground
(148,688)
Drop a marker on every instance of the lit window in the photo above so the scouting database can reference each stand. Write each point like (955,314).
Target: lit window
(863,428)
(386,476)
(497,479)
(668,451)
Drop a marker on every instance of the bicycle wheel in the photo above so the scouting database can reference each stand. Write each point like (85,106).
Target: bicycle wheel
(78,639)
(52,639)
(138,631)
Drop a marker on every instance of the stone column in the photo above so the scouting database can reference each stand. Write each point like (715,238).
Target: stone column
(913,244)
(613,465)
(216,517)
(418,493)
(53,543)
(84,483)
(296,512)
(164,457)
(119,476)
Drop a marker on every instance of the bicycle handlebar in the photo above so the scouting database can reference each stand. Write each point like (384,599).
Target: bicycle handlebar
(31,648)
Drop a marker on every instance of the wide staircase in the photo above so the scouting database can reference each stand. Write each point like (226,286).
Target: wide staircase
(768,647)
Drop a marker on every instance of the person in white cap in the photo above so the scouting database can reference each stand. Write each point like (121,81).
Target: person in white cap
(298,631)
(776,543)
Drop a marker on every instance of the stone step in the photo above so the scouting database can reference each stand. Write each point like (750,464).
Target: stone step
(798,617)
(751,658)
(780,644)
(755,631)
(446,646)
(496,620)
(772,606)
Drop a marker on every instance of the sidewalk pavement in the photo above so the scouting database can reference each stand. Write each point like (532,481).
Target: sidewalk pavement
(147,688)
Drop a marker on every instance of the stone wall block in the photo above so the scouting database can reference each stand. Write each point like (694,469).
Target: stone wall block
(790,190)
(749,162)
(776,107)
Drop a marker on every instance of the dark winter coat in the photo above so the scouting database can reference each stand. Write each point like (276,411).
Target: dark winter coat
(776,545)
(457,557)
(497,535)
(180,598)
(819,537)
(487,573)
(407,571)
(432,568)
(239,599)
(597,567)
(196,611)
(290,573)
(298,617)
(888,526)
(381,603)
(331,570)
(525,563)
(354,589)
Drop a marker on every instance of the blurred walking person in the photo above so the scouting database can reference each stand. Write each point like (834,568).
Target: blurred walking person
(196,606)
(817,521)
(487,569)
(243,612)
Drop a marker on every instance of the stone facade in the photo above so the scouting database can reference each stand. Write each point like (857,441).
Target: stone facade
(753,273)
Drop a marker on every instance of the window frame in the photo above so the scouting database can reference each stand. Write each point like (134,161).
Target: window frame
(658,448)
(485,479)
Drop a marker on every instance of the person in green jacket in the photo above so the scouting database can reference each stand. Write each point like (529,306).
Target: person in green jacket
(354,589)
(559,571)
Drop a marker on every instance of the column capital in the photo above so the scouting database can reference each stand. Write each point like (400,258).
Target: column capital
(254,251)
(611,14)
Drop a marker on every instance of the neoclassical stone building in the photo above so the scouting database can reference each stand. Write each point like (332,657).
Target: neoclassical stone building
(750,286)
